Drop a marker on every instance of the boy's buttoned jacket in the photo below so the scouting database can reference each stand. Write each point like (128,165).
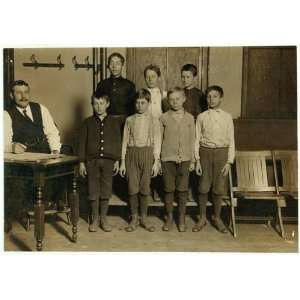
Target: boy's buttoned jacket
(178,137)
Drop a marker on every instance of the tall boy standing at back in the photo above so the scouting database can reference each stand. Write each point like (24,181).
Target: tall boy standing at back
(214,152)
(177,155)
(121,91)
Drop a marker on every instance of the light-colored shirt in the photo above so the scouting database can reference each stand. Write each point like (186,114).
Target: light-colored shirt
(142,130)
(50,130)
(214,129)
(155,107)
(178,136)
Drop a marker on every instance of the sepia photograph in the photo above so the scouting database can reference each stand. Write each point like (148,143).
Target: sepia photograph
(151,149)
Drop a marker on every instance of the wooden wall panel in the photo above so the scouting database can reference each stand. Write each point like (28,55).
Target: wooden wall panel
(263,75)
(288,82)
(254,134)
(177,57)
(269,83)
(144,57)
(170,61)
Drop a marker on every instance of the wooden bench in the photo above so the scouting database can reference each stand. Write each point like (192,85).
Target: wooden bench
(286,175)
(286,172)
(251,181)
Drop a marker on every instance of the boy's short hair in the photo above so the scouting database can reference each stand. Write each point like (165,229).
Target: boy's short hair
(143,94)
(190,67)
(154,68)
(215,88)
(18,83)
(174,90)
(100,95)
(116,54)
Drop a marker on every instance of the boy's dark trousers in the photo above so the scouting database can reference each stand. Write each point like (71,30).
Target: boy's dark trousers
(212,162)
(100,176)
(176,178)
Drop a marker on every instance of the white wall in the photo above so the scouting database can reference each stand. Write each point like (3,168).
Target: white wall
(65,92)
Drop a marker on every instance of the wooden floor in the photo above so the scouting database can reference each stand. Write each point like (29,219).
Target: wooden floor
(251,238)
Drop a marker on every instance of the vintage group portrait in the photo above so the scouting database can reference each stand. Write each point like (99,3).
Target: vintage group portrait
(150,149)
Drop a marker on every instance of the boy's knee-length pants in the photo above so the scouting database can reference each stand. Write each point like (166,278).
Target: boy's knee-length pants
(139,162)
(212,162)
(100,177)
(176,176)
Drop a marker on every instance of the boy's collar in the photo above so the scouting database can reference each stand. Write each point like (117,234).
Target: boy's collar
(177,112)
(116,78)
(190,87)
(145,114)
(154,88)
(215,109)
(101,117)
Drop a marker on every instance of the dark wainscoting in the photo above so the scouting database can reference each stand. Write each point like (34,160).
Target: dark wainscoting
(265,134)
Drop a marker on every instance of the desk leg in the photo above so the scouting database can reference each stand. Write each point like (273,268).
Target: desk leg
(39,216)
(74,209)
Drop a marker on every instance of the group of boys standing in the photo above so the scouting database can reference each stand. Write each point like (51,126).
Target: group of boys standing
(161,137)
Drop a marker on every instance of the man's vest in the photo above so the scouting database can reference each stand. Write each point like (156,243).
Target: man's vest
(29,133)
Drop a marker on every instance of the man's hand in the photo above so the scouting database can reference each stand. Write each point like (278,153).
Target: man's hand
(82,169)
(192,166)
(198,168)
(122,169)
(155,168)
(225,169)
(116,168)
(18,148)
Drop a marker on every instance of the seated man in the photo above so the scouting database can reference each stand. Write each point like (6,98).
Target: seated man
(28,126)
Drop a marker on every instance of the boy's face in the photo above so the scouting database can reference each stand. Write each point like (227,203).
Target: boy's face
(115,66)
(20,95)
(176,100)
(141,105)
(187,79)
(151,79)
(214,99)
(100,106)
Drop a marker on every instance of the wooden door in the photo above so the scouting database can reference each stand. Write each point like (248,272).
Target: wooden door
(170,61)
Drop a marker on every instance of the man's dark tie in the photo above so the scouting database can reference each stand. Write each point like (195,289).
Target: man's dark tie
(26,116)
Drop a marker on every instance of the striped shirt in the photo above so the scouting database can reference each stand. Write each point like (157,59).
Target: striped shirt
(142,130)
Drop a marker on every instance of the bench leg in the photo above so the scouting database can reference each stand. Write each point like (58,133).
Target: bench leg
(233,221)
(279,214)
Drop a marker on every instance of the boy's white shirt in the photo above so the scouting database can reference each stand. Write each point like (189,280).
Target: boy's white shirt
(214,129)
(155,107)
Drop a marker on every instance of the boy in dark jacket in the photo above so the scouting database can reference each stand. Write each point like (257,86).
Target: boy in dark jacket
(99,153)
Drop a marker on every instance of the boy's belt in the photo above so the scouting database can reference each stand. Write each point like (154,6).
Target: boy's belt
(213,148)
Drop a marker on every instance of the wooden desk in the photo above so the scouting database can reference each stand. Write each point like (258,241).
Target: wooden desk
(39,167)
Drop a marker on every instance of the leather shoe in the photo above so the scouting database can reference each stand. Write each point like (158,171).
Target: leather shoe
(219,225)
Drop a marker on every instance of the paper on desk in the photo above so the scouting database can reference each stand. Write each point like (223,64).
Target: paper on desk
(30,156)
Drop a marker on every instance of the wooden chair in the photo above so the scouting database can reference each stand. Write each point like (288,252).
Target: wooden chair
(252,180)
(286,172)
